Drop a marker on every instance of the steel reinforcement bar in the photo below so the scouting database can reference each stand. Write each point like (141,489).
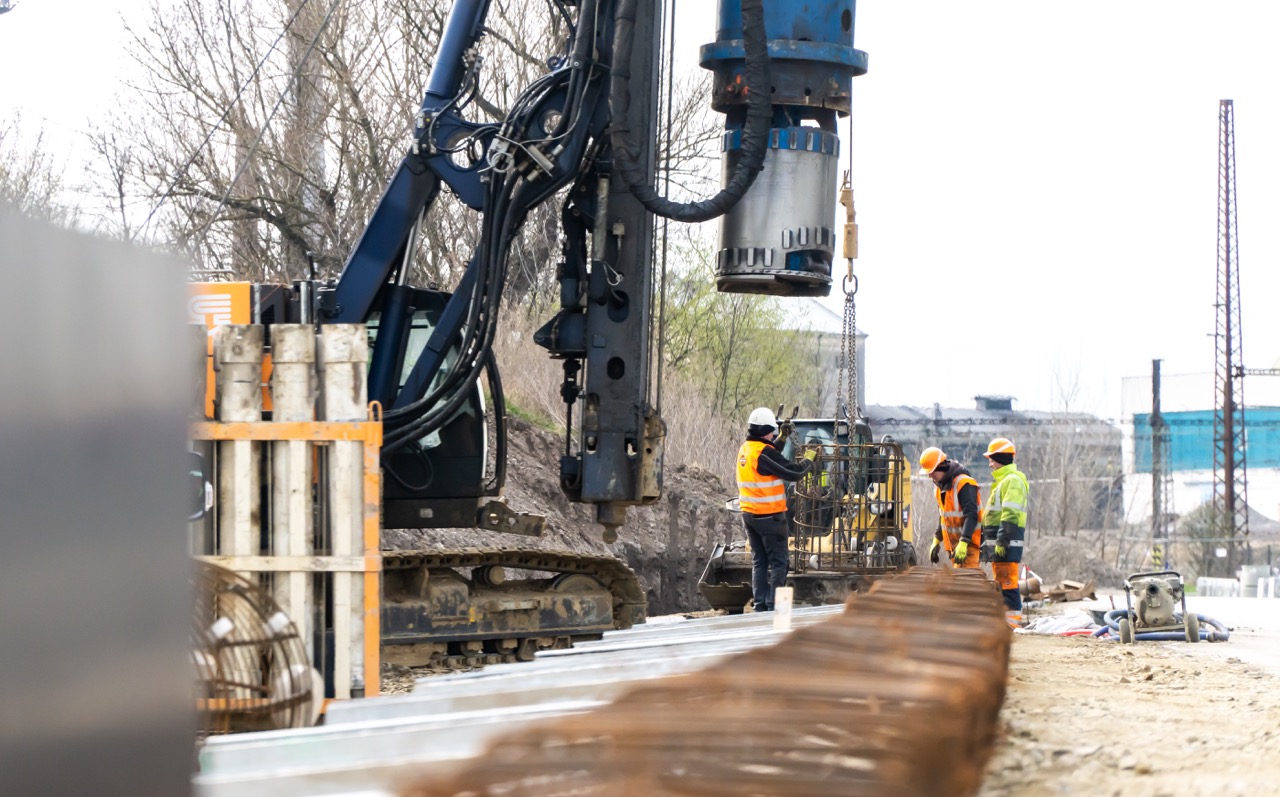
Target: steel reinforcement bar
(896,696)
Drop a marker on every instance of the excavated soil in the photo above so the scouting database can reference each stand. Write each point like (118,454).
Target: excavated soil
(667,543)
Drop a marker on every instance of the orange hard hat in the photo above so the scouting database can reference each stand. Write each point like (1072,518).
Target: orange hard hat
(931,459)
(1001,445)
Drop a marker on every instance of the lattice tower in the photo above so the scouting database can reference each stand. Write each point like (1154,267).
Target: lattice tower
(1230,491)
(1162,526)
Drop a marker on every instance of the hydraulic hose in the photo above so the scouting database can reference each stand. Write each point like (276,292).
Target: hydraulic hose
(755,136)
(1223,633)
(1220,632)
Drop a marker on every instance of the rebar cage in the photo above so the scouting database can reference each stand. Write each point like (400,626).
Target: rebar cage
(853,511)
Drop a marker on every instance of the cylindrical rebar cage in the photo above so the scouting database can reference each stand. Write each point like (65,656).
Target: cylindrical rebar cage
(853,511)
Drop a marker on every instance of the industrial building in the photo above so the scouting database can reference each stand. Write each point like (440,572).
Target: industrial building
(1073,458)
(1187,406)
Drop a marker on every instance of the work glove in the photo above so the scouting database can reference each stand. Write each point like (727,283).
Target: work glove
(962,552)
(1002,542)
(811,455)
(935,552)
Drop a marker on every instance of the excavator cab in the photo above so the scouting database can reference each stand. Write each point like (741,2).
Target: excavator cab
(436,480)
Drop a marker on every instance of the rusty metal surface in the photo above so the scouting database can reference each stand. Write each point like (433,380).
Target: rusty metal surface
(839,707)
(251,665)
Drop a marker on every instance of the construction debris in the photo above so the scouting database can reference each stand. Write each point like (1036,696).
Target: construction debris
(1062,592)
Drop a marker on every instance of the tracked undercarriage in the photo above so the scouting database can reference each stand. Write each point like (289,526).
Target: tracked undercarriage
(476,606)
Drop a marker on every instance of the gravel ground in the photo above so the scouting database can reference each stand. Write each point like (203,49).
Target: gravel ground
(1154,719)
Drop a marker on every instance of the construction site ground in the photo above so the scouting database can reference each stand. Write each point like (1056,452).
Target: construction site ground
(1151,719)
(1081,716)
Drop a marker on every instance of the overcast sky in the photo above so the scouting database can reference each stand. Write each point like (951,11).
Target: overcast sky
(1036,190)
(1036,181)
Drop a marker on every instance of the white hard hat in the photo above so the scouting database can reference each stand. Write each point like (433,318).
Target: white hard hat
(762,416)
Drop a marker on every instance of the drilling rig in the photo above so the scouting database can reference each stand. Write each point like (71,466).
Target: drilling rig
(584,134)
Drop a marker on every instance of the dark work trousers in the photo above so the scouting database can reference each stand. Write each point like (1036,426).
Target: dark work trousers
(1004,569)
(768,537)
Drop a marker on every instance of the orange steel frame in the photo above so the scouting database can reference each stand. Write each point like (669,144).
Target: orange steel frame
(370,433)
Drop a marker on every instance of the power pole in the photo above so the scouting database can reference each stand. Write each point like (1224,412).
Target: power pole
(1161,480)
(1230,491)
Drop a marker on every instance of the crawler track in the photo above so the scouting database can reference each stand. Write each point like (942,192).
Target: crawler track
(628,598)
(896,697)
(435,615)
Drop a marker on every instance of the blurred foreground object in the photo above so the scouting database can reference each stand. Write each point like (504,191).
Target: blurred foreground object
(94,600)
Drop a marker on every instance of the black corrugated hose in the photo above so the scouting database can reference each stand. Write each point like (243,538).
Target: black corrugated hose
(755,136)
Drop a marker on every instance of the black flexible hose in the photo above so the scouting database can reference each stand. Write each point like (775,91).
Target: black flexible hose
(499,411)
(755,138)
(510,198)
(475,352)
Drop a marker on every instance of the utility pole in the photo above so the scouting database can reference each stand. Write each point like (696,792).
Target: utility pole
(1161,480)
(1230,491)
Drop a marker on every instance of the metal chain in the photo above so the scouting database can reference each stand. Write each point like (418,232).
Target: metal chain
(847,384)
(840,368)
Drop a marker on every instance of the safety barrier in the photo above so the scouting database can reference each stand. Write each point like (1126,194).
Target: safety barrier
(1254,581)
(1250,576)
(1217,587)
(839,707)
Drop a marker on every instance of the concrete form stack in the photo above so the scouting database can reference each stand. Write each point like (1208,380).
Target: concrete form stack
(313,532)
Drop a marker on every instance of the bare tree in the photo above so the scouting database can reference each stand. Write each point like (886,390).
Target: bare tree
(1075,463)
(273,127)
(110,180)
(29,181)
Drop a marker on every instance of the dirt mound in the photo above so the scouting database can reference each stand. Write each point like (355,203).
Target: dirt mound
(667,544)
(1058,558)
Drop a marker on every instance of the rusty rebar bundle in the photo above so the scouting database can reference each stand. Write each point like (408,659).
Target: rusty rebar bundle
(837,708)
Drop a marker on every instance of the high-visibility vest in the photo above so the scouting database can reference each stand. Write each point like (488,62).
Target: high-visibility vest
(758,494)
(951,514)
(1008,499)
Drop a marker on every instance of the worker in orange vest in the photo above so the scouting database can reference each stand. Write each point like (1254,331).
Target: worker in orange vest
(959,530)
(762,497)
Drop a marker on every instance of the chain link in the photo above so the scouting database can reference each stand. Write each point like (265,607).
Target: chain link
(847,377)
